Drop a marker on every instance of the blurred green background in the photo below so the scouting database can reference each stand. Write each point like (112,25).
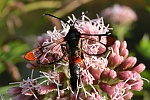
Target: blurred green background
(21,21)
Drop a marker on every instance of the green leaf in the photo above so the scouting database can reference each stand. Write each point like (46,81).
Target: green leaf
(39,5)
(16,49)
(148,8)
(144,46)
(3,4)
(2,68)
(4,91)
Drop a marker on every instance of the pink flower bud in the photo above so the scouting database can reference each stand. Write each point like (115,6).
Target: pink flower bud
(62,76)
(14,90)
(73,96)
(82,95)
(106,88)
(139,68)
(128,63)
(30,66)
(62,93)
(124,53)
(136,85)
(111,56)
(105,73)
(123,45)
(40,39)
(125,75)
(116,47)
(109,73)
(128,95)
(46,89)
(112,74)
(95,72)
(117,59)
(95,96)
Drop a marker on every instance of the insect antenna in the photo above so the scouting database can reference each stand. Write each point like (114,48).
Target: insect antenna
(64,20)
(56,18)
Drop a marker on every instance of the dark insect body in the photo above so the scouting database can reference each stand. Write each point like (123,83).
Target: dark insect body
(73,39)
(74,50)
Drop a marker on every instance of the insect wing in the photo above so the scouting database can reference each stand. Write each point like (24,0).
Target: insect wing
(33,54)
(47,54)
(52,53)
(110,40)
(97,44)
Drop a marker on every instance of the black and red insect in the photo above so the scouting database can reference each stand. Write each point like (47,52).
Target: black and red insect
(74,49)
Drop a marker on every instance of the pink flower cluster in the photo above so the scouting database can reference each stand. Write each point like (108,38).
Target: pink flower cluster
(122,75)
(119,14)
(112,73)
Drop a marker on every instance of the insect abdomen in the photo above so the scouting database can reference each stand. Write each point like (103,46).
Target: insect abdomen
(75,75)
